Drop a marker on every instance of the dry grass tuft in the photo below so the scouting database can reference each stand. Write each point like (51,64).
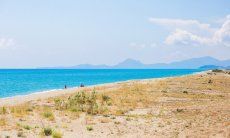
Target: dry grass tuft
(3,121)
(48,113)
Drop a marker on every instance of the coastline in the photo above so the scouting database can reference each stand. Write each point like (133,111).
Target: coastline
(20,99)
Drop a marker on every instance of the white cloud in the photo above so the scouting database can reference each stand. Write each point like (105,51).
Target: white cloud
(182,24)
(186,38)
(6,42)
(222,36)
(187,32)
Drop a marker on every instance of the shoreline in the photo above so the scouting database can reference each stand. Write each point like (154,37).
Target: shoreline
(20,99)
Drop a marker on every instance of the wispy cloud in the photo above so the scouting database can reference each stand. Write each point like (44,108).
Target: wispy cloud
(189,32)
(182,24)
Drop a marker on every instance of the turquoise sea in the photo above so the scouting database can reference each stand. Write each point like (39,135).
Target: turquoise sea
(25,81)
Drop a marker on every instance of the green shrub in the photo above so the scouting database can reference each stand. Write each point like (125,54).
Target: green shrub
(81,101)
(57,134)
(29,109)
(105,99)
(117,122)
(89,128)
(60,104)
(78,102)
(49,115)
(179,110)
(186,92)
(3,110)
(92,103)
(217,70)
(27,127)
(128,119)
(47,131)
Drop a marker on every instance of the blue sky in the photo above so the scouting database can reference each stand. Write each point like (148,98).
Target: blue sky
(64,33)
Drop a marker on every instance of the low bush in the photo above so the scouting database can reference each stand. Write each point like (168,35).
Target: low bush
(47,131)
(3,110)
(217,70)
(89,128)
(82,102)
(57,134)
(49,115)
(27,127)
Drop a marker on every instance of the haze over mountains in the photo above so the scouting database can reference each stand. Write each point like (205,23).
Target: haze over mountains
(193,63)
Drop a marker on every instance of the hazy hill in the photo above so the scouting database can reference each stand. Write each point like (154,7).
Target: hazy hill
(192,63)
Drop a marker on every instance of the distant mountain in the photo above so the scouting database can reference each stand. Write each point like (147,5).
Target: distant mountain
(193,63)
(208,67)
(129,64)
(190,63)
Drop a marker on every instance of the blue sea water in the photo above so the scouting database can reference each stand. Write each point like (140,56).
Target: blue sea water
(25,81)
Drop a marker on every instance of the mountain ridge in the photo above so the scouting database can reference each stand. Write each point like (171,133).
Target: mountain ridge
(192,63)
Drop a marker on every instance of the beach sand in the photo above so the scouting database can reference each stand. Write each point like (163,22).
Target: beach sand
(195,105)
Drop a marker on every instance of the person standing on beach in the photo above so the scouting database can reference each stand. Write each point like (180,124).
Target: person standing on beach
(82,85)
(65,87)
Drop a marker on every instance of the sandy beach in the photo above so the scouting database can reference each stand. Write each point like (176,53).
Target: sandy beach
(194,105)
(20,99)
